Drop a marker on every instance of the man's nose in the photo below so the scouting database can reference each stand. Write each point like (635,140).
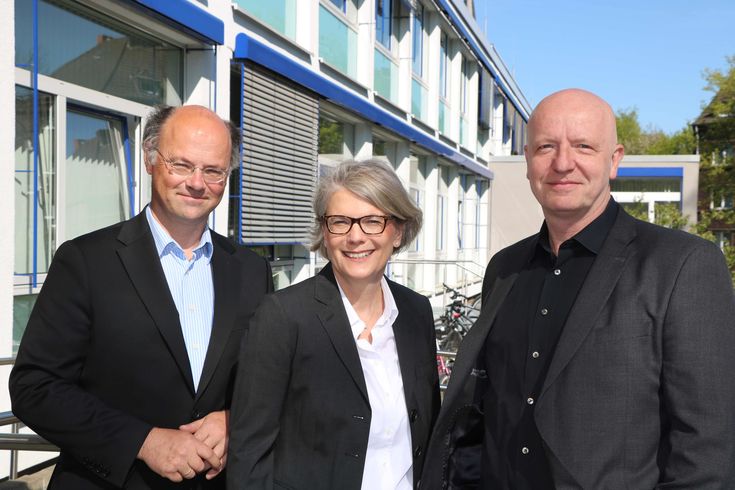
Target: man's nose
(564,159)
(196,179)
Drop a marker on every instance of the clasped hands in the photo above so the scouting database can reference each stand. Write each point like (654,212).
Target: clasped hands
(193,448)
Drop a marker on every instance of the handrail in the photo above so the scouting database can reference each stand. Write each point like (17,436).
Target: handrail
(458,263)
(7,361)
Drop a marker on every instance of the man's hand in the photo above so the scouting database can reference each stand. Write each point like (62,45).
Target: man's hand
(177,454)
(212,430)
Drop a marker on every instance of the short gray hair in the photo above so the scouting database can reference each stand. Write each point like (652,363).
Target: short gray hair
(375,182)
(157,119)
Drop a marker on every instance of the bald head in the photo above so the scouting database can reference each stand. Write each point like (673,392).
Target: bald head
(567,103)
(167,118)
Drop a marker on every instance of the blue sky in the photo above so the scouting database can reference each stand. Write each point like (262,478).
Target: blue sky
(648,54)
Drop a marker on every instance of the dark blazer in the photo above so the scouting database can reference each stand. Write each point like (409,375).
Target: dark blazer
(639,393)
(103,359)
(300,417)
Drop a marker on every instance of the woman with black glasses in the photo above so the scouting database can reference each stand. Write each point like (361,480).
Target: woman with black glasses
(337,383)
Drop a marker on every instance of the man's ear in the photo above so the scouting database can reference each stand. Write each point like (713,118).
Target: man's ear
(617,157)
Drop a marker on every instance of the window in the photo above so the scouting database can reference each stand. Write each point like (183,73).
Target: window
(441,208)
(87,188)
(722,199)
(443,65)
(384,22)
(277,14)
(417,35)
(338,35)
(79,46)
(417,184)
(340,4)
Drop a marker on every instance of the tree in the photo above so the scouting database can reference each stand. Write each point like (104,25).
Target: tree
(651,141)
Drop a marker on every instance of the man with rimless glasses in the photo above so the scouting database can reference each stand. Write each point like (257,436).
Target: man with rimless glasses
(129,356)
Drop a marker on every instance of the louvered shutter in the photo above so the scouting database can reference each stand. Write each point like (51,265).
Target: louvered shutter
(280,129)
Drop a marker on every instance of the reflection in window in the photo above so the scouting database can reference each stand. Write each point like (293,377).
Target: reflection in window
(45,188)
(96,191)
(77,45)
(417,34)
(383,22)
(443,64)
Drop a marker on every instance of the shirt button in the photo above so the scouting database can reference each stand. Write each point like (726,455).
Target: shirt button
(557,272)
(529,401)
(544,311)
(535,354)
(525,450)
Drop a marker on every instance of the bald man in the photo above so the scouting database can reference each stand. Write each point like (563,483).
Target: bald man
(128,359)
(604,352)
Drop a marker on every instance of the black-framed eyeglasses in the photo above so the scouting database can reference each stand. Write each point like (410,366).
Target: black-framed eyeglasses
(211,175)
(370,225)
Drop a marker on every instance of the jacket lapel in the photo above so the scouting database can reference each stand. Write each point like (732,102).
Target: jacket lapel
(334,320)
(226,284)
(593,295)
(140,259)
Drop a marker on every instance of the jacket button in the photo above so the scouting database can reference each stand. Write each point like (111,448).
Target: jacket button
(197,415)
(413,415)
(418,452)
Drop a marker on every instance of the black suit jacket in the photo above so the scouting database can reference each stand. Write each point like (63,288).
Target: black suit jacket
(103,359)
(639,393)
(300,417)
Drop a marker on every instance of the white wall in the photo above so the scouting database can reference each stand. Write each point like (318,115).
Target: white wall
(514,211)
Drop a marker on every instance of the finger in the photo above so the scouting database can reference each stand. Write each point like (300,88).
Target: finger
(208,456)
(192,427)
(212,473)
(189,474)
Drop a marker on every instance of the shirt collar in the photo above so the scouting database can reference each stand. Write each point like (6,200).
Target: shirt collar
(592,236)
(165,244)
(389,315)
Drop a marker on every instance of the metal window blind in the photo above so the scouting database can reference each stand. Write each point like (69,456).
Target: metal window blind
(280,137)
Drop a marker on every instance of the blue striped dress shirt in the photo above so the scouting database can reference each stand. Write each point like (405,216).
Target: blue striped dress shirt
(190,283)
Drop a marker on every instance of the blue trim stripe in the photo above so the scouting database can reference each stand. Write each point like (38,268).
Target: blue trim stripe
(249,48)
(650,172)
(197,20)
(469,36)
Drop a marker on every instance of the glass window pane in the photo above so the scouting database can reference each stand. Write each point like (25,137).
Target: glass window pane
(337,43)
(278,14)
(22,307)
(78,46)
(418,40)
(383,21)
(24,183)
(96,174)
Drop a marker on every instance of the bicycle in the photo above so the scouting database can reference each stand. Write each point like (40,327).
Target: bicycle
(456,321)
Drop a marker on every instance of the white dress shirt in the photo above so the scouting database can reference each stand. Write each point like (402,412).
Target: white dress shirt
(388,462)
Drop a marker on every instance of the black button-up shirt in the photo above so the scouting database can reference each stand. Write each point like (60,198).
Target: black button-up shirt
(518,352)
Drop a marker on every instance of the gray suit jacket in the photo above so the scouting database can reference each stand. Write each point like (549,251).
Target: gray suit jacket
(640,392)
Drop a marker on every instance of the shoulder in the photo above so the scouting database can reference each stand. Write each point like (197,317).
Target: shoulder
(407,296)
(666,243)
(511,257)
(237,250)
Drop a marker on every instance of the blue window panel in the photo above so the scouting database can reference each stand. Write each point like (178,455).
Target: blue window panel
(383,21)
(337,43)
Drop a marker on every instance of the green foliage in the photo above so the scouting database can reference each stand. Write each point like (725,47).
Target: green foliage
(652,141)
(667,214)
(330,137)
